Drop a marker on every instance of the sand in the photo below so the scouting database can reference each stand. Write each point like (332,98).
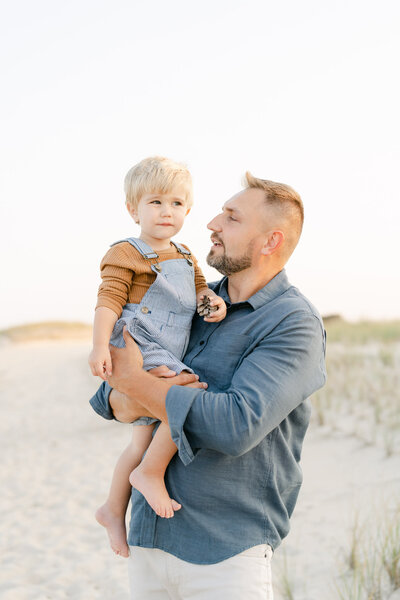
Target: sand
(57,458)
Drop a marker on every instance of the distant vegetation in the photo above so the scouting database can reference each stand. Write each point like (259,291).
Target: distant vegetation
(47,330)
(339,330)
(361,399)
(362,393)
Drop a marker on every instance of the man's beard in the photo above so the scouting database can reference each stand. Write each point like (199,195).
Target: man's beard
(228,266)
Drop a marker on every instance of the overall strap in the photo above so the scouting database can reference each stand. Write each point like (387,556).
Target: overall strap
(185,253)
(181,248)
(145,250)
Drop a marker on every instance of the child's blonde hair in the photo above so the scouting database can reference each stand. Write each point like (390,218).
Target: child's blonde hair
(157,175)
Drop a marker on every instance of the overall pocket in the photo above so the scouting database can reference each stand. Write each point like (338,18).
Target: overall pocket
(184,288)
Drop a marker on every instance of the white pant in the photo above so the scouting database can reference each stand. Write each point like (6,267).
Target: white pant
(157,575)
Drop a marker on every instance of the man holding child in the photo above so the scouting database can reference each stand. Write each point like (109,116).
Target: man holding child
(239,436)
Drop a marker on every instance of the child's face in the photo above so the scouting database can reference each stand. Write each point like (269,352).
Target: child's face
(160,216)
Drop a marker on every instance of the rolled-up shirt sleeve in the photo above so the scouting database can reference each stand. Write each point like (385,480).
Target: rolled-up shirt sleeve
(284,369)
(179,403)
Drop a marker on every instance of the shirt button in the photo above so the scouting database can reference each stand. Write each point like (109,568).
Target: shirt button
(202,342)
(145,310)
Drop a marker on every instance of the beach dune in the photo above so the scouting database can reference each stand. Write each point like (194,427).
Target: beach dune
(57,460)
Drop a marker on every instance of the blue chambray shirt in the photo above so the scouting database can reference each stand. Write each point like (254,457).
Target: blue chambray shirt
(237,472)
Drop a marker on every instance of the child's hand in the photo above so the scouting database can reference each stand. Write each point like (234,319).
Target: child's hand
(100,362)
(212,307)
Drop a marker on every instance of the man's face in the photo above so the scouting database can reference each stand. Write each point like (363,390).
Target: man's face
(238,232)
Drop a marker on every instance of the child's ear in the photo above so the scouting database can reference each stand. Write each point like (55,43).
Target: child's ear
(133,213)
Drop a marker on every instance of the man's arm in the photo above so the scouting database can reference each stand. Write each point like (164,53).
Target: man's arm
(283,370)
(140,388)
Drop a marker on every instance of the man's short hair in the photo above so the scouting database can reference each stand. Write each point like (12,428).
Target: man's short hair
(285,201)
(157,175)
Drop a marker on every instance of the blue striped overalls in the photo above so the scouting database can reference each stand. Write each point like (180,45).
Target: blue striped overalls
(161,322)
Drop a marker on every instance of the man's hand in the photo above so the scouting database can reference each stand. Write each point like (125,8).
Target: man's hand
(128,410)
(162,371)
(127,365)
(184,379)
(126,362)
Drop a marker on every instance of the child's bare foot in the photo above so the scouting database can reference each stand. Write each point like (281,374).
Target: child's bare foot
(153,489)
(115,528)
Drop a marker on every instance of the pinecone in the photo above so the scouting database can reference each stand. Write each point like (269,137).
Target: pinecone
(204,308)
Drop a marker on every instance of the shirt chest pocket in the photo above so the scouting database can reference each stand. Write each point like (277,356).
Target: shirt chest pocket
(224,355)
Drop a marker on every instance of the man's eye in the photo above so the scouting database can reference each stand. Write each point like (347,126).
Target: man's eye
(231,218)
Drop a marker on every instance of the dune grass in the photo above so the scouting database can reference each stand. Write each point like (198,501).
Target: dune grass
(361,332)
(362,398)
(362,393)
(373,562)
(47,330)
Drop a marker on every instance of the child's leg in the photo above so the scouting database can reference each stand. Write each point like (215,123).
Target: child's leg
(148,477)
(112,514)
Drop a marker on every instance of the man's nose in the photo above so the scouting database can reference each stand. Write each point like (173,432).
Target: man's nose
(214,224)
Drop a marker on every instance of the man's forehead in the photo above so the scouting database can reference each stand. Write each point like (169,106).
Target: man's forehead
(243,202)
(231,206)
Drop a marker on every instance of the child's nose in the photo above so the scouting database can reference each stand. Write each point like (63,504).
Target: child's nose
(166,210)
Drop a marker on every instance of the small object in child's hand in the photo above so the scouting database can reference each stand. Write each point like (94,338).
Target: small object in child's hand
(204,307)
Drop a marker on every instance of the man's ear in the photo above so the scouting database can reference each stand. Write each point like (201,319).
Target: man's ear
(132,211)
(273,241)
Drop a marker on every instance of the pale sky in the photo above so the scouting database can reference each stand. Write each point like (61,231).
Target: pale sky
(306,93)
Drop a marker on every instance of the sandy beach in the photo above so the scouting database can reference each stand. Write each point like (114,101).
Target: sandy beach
(57,459)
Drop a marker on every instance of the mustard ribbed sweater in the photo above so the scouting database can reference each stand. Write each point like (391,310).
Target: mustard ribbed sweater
(126,275)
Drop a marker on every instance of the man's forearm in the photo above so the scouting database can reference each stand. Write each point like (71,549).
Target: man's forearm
(148,391)
(140,386)
(273,380)
(126,410)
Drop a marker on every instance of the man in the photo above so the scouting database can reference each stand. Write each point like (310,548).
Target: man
(239,440)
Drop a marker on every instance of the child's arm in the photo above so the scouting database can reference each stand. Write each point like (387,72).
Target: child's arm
(117,273)
(99,358)
(214,309)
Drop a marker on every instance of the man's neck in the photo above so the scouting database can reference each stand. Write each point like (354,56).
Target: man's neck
(243,285)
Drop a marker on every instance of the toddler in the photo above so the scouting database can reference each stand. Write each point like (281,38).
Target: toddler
(152,286)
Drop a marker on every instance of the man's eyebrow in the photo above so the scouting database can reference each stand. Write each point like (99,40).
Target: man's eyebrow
(232,210)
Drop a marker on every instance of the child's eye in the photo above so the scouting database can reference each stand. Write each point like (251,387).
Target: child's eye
(155,202)
(177,203)
(231,218)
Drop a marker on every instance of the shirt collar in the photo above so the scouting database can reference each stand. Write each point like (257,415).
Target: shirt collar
(272,290)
